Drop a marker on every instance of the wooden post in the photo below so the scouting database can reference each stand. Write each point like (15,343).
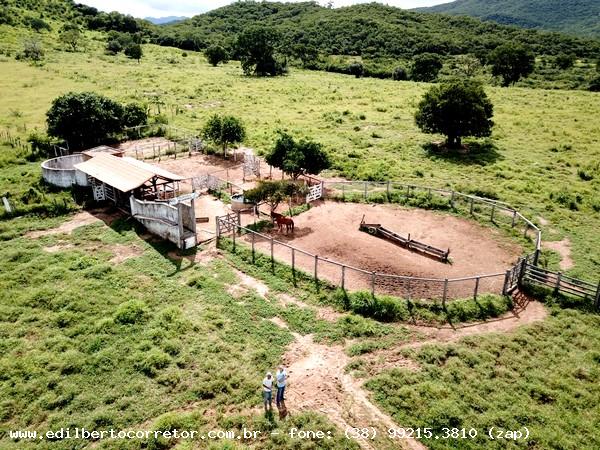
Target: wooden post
(445,293)
(316,273)
(514,219)
(557,286)
(239,220)
(272,257)
(493,212)
(344,192)
(218,231)
(373,275)
(472,202)
(506,280)
(597,301)
(476,291)
(253,253)
(366,190)
(233,233)
(526,230)
(387,190)
(452,200)
(293,261)
(408,293)
(344,279)
(407,192)
(522,270)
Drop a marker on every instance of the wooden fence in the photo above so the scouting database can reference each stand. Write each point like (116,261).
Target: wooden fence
(561,283)
(353,278)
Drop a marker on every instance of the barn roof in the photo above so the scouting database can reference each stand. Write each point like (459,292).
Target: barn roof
(124,174)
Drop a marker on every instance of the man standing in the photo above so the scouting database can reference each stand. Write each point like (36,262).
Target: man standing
(268,392)
(281,377)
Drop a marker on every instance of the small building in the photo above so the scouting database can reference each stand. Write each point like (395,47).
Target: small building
(147,192)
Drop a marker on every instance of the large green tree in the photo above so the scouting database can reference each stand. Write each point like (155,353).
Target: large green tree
(297,158)
(224,130)
(426,66)
(257,49)
(456,109)
(273,192)
(511,62)
(86,119)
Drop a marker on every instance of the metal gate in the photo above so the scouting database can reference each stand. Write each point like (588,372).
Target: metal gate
(228,223)
(314,192)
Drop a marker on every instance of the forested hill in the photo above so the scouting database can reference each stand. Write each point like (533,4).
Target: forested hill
(580,17)
(365,29)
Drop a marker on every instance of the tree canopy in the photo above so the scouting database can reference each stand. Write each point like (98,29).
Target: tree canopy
(273,192)
(216,54)
(86,119)
(224,130)
(256,49)
(426,67)
(297,158)
(456,109)
(512,62)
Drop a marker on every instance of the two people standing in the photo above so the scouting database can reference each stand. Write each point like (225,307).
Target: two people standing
(280,382)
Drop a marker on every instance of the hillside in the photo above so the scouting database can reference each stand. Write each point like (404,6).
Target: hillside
(364,29)
(580,17)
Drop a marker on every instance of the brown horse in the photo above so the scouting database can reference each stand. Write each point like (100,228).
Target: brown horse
(275,216)
(287,221)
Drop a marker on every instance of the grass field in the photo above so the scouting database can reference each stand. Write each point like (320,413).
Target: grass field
(89,342)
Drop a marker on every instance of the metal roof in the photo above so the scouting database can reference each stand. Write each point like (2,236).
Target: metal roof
(122,173)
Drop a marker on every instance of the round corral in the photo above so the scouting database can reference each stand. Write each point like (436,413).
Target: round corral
(331,231)
(61,171)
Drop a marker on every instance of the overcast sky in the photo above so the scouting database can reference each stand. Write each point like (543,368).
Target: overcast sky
(163,8)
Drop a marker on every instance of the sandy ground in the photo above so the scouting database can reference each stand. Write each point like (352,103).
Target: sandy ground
(78,220)
(563,248)
(330,230)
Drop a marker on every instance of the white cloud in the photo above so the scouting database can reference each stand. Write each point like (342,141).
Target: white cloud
(162,8)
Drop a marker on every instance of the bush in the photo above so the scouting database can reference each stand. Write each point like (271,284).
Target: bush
(356,69)
(149,363)
(32,51)
(399,74)
(216,54)
(113,47)
(131,312)
(41,144)
(594,85)
(426,67)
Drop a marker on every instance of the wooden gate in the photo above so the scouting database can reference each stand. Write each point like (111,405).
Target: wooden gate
(227,223)
(315,192)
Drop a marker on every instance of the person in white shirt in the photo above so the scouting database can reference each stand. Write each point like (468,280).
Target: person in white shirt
(268,391)
(281,377)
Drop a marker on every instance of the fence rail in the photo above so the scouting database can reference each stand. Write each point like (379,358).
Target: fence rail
(348,277)
(561,283)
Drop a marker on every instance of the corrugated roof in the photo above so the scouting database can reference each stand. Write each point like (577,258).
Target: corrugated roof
(121,173)
(157,170)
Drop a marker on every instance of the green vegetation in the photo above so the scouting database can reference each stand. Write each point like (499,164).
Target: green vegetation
(216,54)
(224,131)
(578,17)
(298,158)
(511,62)
(273,192)
(456,110)
(256,49)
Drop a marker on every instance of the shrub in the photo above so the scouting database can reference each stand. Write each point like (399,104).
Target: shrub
(594,85)
(399,74)
(216,54)
(426,66)
(149,363)
(32,50)
(356,69)
(131,312)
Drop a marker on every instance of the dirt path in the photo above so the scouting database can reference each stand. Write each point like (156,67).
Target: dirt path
(563,248)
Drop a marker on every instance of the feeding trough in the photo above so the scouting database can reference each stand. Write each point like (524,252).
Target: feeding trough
(239,203)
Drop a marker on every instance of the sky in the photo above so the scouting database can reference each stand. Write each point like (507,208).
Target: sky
(164,8)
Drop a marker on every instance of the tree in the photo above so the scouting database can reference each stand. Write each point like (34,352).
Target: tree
(273,192)
(134,51)
(297,158)
(134,115)
(32,50)
(466,66)
(565,61)
(456,109)
(256,48)
(594,85)
(356,69)
(84,119)
(426,66)
(71,35)
(307,54)
(511,62)
(37,24)
(216,54)
(224,131)
(399,74)
(113,47)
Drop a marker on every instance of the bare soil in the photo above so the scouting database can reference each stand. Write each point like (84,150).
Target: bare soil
(78,220)
(563,248)
(331,230)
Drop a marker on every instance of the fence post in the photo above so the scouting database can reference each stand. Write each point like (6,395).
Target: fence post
(344,192)
(316,270)
(514,219)
(387,190)
(506,279)
(526,230)
(407,192)
(218,230)
(408,293)
(597,302)
(272,257)
(294,263)
(366,190)
(493,211)
(452,200)
(472,202)
(344,279)
(557,286)
(239,221)
(522,270)
(373,275)
(445,293)
(233,233)
(253,254)
(476,291)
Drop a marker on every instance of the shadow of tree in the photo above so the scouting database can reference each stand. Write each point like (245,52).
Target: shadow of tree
(479,153)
